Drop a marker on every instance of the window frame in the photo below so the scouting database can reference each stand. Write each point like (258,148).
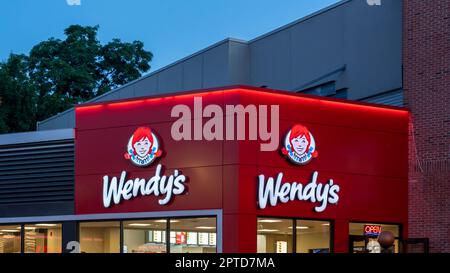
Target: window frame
(22,232)
(167,230)
(294,228)
(99,221)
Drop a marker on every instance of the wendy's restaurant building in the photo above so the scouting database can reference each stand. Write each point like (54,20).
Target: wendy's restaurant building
(346,161)
(235,169)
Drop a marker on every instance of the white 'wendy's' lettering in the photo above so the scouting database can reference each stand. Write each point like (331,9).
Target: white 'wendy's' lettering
(272,191)
(115,190)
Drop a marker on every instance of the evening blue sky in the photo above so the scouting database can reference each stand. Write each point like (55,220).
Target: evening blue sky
(170,29)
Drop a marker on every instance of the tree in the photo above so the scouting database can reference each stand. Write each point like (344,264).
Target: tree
(17,96)
(62,73)
(122,63)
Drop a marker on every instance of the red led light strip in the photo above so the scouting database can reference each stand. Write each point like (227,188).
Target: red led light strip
(248,91)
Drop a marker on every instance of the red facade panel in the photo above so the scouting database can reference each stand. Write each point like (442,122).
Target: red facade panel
(361,147)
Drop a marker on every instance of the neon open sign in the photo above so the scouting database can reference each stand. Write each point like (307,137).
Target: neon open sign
(372,230)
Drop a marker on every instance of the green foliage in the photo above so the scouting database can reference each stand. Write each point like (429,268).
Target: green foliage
(58,74)
(17,96)
(121,63)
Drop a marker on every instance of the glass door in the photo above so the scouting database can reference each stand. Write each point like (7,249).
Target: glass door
(357,244)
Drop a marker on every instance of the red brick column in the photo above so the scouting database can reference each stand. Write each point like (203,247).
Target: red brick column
(426,82)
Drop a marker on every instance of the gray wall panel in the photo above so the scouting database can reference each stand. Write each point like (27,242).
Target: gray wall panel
(215,66)
(70,118)
(373,44)
(147,86)
(171,79)
(366,39)
(270,61)
(27,137)
(393,98)
(37,209)
(193,73)
(317,47)
(239,63)
(127,92)
(58,121)
(108,96)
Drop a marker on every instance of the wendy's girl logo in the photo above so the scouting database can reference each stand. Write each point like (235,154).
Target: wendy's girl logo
(299,145)
(143,147)
(299,148)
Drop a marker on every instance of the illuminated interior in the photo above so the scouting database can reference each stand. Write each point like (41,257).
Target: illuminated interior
(145,236)
(187,235)
(199,233)
(43,238)
(277,236)
(100,237)
(313,236)
(10,239)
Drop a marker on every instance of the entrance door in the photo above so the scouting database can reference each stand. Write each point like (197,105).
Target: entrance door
(364,244)
(357,244)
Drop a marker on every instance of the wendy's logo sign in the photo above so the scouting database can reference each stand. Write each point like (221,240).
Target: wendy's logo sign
(274,190)
(143,147)
(299,145)
(299,148)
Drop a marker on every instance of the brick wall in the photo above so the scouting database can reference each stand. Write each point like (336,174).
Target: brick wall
(426,82)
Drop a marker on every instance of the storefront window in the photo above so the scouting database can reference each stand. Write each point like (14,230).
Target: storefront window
(43,238)
(10,239)
(274,235)
(313,236)
(100,237)
(144,236)
(364,237)
(193,235)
